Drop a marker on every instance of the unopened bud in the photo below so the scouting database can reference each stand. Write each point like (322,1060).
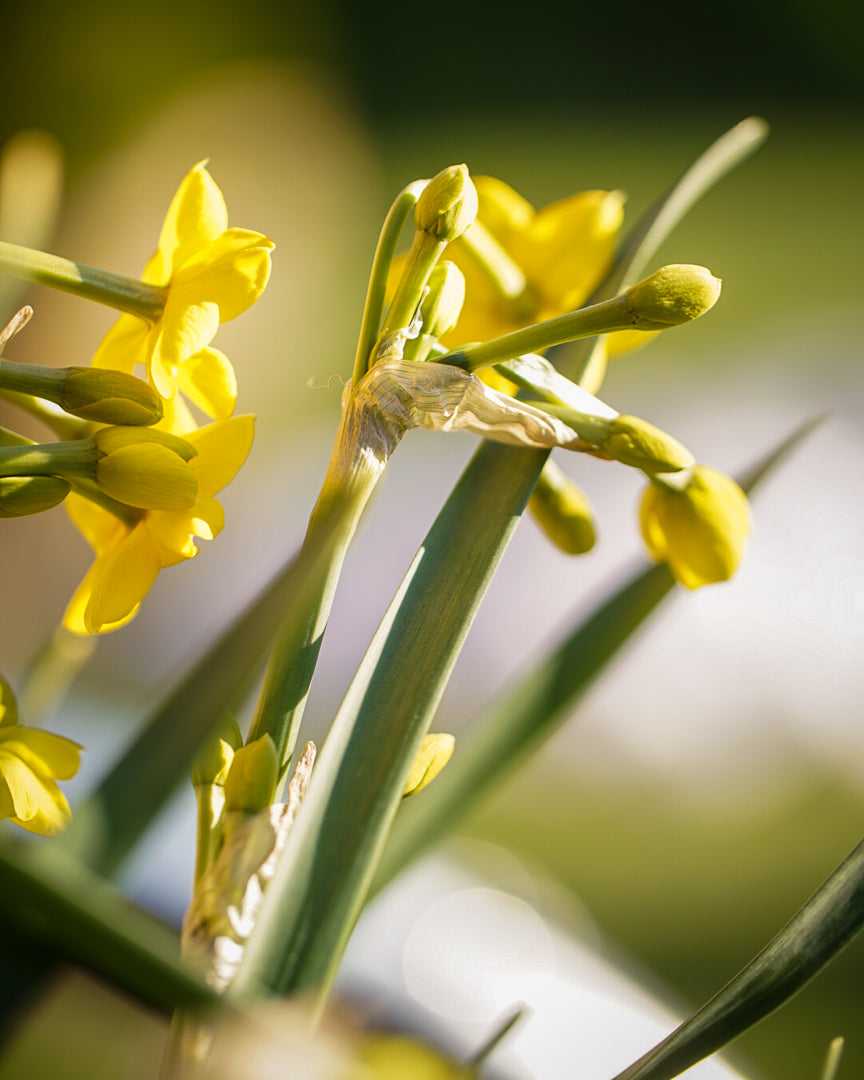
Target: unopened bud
(253,776)
(447,205)
(109,397)
(435,751)
(23,495)
(149,476)
(672,295)
(440,310)
(636,442)
(698,528)
(214,758)
(562,510)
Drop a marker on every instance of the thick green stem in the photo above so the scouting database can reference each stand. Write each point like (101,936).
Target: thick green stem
(116,291)
(352,474)
(69,459)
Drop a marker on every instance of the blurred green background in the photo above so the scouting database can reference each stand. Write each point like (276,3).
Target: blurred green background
(716,777)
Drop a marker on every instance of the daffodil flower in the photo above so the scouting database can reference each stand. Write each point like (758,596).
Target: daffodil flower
(211,274)
(129,558)
(698,526)
(31,763)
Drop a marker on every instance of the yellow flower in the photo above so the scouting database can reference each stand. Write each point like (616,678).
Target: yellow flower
(700,529)
(31,763)
(212,274)
(561,251)
(129,558)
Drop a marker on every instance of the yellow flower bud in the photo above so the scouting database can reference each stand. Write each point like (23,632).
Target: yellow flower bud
(698,529)
(440,310)
(636,442)
(434,753)
(109,397)
(447,205)
(672,295)
(22,495)
(149,476)
(253,776)
(562,510)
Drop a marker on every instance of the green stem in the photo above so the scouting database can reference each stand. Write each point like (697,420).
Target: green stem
(425,252)
(505,275)
(72,460)
(116,291)
(603,318)
(351,477)
(384,252)
(52,416)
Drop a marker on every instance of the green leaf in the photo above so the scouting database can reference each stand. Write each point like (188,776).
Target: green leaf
(60,906)
(325,870)
(813,937)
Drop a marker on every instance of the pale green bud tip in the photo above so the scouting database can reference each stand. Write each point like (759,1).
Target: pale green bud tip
(562,511)
(699,530)
(252,778)
(22,495)
(110,397)
(215,756)
(672,295)
(636,442)
(447,205)
(434,753)
(8,704)
(440,310)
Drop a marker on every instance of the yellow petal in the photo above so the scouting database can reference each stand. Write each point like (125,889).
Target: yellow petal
(184,329)
(38,805)
(208,379)
(568,247)
(98,526)
(196,216)
(501,209)
(121,580)
(124,346)
(174,531)
(44,752)
(222,448)
(232,272)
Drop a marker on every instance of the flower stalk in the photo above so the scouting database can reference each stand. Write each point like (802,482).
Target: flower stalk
(126,294)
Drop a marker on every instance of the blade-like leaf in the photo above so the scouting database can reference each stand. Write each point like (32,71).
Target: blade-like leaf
(528,713)
(62,907)
(326,867)
(813,937)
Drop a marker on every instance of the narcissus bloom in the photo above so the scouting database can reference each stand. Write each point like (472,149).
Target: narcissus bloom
(211,274)
(31,763)
(129,557)
(552,258)
(699,529)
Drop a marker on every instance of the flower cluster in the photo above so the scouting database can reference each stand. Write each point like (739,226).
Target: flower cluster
(141,490)
(515,278)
